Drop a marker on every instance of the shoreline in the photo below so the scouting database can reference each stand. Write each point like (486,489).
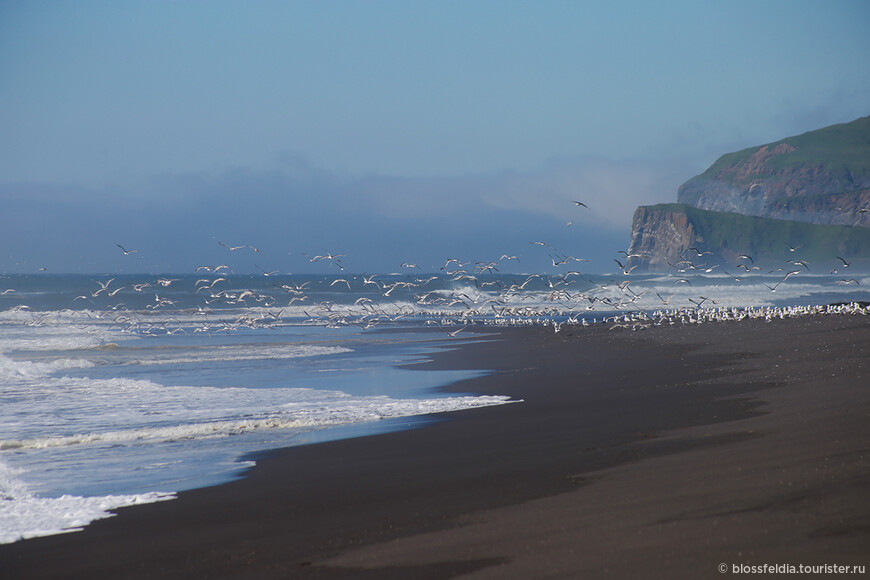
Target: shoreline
(530,489)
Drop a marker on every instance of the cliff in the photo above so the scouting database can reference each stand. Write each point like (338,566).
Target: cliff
(811,190)
(666,237)
(819,177)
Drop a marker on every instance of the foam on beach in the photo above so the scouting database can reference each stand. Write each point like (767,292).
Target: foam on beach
(24,515)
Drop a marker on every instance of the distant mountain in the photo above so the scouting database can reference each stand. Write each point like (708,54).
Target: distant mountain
(821,177)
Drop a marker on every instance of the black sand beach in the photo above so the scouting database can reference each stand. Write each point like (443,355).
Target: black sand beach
(663,453)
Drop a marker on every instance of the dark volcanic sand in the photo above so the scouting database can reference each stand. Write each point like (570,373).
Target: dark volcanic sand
(661,453)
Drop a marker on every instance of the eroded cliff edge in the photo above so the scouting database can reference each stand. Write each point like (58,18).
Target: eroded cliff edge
(812,190)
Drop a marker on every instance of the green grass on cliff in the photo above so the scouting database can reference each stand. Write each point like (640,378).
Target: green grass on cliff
(765,239)
(840,148)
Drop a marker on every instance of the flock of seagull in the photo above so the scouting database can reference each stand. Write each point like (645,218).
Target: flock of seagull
(463,293)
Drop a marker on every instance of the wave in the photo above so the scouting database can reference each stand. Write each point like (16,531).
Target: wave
(243,353)
(11,369)
(24,515)
(301,416)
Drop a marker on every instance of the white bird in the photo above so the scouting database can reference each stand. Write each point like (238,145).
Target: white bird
(799,263)
(126,251)
(103,287)
(625,270)
(234,248)
(265,273)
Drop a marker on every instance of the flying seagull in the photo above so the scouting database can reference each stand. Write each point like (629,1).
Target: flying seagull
(126,251)
(581,204)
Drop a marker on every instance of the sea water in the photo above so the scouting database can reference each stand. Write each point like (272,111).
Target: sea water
(116,390)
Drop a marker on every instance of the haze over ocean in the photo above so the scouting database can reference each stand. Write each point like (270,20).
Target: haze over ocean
(385,131)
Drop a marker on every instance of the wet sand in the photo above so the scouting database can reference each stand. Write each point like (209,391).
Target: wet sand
(654,454)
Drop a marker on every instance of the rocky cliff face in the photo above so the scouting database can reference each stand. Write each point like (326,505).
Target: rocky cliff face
(679,237)
(659,238)
(821,177)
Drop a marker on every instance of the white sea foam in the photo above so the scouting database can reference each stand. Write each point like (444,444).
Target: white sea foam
(24,515)
(26,369)
(321,409)
(230,353)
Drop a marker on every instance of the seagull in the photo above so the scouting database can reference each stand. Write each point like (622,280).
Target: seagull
(663,300)
(627,255)
(334,258)
(126,251)
(625,270)
(449,261)
(328,256)
(792,248)
(234,248)
(698,304)
(581,204)
(103,287)
(265,273)
(850,281)
(845,263)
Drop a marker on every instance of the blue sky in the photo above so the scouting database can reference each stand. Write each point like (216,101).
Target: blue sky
(388,131)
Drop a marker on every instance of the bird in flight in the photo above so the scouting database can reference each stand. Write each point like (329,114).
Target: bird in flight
(234,248)
(581,204)
(126,251)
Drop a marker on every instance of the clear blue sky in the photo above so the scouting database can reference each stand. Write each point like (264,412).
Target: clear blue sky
(388,131)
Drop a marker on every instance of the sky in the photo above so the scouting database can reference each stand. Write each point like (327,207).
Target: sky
(388,131)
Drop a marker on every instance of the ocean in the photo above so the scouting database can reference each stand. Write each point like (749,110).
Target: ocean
(124,389)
